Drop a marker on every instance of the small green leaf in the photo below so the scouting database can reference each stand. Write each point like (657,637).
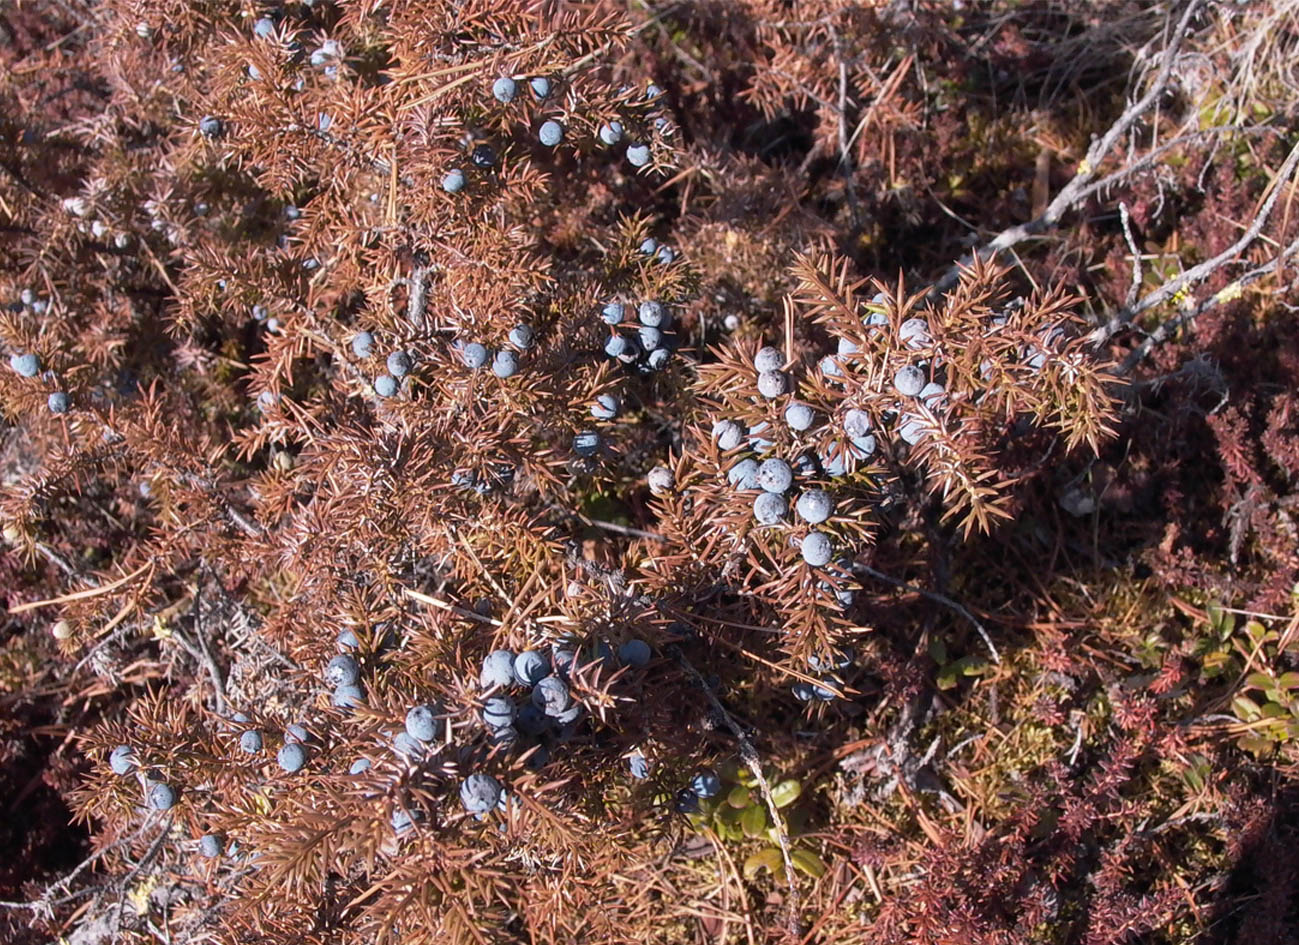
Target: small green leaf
(808,862)
(739,796)
(768,859)
(728,815)
(754,820)
(786,793)
(1288,680)
(1246,709)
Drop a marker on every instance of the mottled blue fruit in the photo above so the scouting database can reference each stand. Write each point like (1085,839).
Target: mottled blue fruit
(650,337)
(161,796)
(530,667)
(648,245)
(550,133)
(531,720)
(686,801)
(802,691)
(768,359)
(483,155)
(497,670)
(422,723)
(504,88)
(830,367)
(706,784)
(291,757)
(914,333)
(605,407)
(616,346)
(210,846)
(665,255)
(774,475)
(406,746)
(744,474)
(817,549)
(799,416)
(401,821)
(296,733)
(122,759)
(250,742)
(550,695)
(505,364)
(26,365)
(342,670)
(454,181)
(264,28)
(210,126)
(562,659)
(771,384)
(728,434)
(385,386)
(824,694)
(569,716)
(611,133)
(587,443)
(359,766)
(652,313)
(505,737)
(540,86)
(913,430)
(638,767)
(479,793)
(856,423)
(841,658)
(399,364)
(657,359)
(521,336)
(909,380)
(498,712)
(635,653)
(653,91)
(363,344)
(759,442)
(863,446)
(474,355)
(638,154)
(847,346)
(347,696)
(612,313)
(814,506)
(769,508)
(347,639)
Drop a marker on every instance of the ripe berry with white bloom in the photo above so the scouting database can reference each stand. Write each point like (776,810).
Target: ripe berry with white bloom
(638,767)
(550,695)
(347,696)
(728,434)
(652,313)
(264,28)
(57,402)
(771,384)
(503,89)
(744,474)
(815,506)
(521,336)
(422,723)
(291,757)
(660,480)
(650,337)
(550,133)
(498,712)
(768,359)
(210,126)
(648,245)
(611,133)
(856,422)
(342,670)
(385,385)
(799,416)
(530,667)
(363,344)
(769,508)
(250,742)
(540,86)
(657,359)
(605,407)
(616,346)
(706,784)
(505,364)
(474,355)
(612,313)
(210,846)
(454,181)
(817,549)
(914,333)
(774,475)
(480,793)
(399,364)
(638,154)
(122,760)
(25,365)
(586,443)
(909,381)
(161,796)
